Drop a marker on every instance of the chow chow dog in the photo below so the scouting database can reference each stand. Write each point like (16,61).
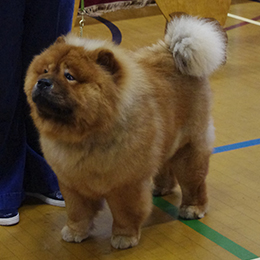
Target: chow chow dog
(112,120)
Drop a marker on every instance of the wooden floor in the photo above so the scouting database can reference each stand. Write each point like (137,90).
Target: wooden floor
(231,229)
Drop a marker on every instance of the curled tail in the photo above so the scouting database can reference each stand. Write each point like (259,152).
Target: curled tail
(198,44)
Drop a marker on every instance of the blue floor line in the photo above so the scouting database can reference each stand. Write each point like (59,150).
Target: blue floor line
(230,147)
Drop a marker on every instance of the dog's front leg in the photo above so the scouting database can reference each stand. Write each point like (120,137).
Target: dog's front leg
(81,212)
(130,206)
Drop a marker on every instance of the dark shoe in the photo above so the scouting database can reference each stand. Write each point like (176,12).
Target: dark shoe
(9,217)
(53,198)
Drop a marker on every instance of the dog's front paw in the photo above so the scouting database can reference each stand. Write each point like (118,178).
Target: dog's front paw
(123,242)
(70,235)
(192,212)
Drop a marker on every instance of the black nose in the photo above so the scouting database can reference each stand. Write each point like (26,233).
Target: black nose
(44,84)
(42,89)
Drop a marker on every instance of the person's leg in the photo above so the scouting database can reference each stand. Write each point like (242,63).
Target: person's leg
(44,22)
(12,132)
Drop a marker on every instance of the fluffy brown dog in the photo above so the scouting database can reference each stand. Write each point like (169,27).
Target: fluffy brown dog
(110,120)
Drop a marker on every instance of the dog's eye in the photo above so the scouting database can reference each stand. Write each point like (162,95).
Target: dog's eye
(69,76)
(45,71)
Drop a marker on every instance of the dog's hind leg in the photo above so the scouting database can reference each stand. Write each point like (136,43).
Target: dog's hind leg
(165,181)
(191,167)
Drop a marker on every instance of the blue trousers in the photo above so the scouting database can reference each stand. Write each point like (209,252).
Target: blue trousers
(27,27)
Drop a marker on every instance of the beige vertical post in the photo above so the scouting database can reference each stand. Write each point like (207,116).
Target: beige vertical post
(217,9)
(75,13)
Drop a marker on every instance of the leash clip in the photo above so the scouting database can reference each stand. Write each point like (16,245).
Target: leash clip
(81,25)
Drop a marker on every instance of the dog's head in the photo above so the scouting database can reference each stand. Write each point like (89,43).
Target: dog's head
(72,91)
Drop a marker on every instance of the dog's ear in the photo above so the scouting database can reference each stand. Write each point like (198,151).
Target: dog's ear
(60,39)
(108,61)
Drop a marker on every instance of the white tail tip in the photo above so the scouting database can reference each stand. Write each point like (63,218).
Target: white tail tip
(198,45)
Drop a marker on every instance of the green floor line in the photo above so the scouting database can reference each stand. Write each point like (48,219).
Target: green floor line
(206,231)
